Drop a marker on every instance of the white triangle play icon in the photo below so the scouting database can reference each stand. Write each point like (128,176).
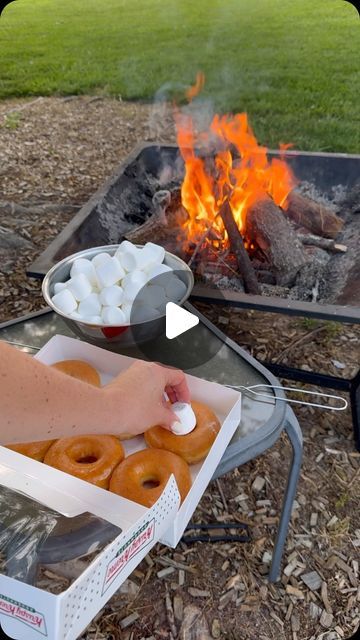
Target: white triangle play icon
(178,320)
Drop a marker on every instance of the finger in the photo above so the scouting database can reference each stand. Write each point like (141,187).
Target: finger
(171,394)
(167,418)
(175,380)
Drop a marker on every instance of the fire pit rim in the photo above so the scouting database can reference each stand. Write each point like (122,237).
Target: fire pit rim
(343,313)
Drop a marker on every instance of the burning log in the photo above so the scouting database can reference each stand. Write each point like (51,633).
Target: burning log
(312,215)
(163,225)
(238,249)
(268,228)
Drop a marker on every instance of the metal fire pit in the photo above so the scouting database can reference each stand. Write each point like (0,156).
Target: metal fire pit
(151,167)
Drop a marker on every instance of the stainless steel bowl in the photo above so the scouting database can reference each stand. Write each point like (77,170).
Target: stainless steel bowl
(104,335)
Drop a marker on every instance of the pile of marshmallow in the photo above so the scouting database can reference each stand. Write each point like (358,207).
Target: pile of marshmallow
(107,290)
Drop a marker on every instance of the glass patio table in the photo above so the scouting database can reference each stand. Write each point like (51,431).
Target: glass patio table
(262,420)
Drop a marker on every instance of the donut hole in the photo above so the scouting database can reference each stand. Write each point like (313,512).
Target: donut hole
(84,452)
(87,460)
(150,483)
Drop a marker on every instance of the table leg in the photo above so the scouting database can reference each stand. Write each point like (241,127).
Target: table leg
(294,433)
(355,407)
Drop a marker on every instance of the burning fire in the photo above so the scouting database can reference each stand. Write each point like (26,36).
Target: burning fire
(240,171)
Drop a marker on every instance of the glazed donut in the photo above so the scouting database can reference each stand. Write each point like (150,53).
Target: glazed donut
(80,370)
(195,445)
(142,476)
(90,458)
(35,450)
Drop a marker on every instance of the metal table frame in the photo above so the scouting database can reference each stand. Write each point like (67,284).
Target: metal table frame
(252,445)
(308,310)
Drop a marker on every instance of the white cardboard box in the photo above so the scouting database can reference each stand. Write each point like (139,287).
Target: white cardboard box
(64,616)
(27,612)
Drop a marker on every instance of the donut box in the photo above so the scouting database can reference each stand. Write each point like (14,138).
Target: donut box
(28,612)
(64,616)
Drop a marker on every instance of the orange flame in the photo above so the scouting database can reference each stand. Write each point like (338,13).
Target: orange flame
(193,91)
(240,170)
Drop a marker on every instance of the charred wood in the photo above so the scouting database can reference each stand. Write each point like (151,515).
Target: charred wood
(238,249)
(322,243)
(312,215)
(267,227)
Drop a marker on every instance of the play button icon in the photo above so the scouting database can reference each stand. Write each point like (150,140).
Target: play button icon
(178,320)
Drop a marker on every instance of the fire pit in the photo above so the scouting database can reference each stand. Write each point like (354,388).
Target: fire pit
(316,275)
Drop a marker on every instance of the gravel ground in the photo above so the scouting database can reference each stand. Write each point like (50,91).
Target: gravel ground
(57,151)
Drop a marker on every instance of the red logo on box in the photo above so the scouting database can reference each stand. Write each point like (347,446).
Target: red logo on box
(23,613)
(137,542)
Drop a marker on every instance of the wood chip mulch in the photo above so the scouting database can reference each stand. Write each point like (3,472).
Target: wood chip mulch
(57,152)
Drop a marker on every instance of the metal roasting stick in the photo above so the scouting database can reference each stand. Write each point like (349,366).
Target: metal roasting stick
(343,404)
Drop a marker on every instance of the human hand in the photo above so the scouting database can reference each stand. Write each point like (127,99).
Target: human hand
(136,397)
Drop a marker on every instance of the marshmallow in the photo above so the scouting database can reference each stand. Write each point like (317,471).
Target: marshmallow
(76,316)
(109,272)
(127,310)
(113,316)
(157,270)
(79,286)
(157,253)
(134,278)
(175,289)
(82,265)
(186,416)
(131,291)
(100,258)
(142,313)
(125,245)
(127,259)
(64,301)
(91,306)
(111,296)
(153,295)
(126,255)
(59,286)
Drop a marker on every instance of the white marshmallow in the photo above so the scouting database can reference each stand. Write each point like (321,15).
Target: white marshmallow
(186,416)
(82,265)
(79,286)
(91,306)
(131,291)
(157,270)
(127,309)
(113,316)
(134,278)
(65,301)
(153,295)
(125,245)
(111,296)
(175,289)
(59,286)
(156,252)
(127,259)
(109,272)
(142,313)
(76,316)
(100,258)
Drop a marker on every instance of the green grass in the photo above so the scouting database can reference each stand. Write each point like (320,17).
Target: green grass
(293,65)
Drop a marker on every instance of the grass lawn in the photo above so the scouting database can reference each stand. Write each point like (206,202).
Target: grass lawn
(293,65)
